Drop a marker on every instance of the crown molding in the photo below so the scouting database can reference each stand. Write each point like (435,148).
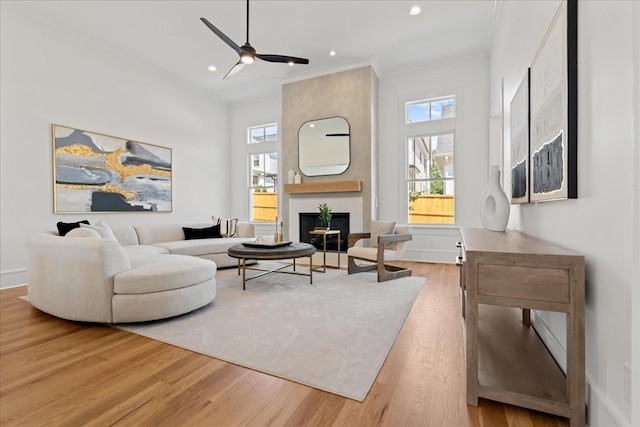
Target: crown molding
(371,62)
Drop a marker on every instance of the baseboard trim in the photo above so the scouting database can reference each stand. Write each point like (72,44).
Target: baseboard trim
(13,286)
(604,414)
(444,257)
(600,411)
(557,349)
(13,278)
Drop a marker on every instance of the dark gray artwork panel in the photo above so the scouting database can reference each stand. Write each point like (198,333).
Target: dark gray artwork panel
(548,167)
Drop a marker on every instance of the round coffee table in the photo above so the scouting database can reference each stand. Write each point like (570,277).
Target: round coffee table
(264,253)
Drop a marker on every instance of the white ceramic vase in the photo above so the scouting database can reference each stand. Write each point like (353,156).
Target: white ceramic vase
(494,203)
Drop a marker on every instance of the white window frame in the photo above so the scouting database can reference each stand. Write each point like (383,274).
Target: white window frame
(266,147)
(422,129)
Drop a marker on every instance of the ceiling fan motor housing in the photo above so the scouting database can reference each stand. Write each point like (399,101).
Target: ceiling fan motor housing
(247,53)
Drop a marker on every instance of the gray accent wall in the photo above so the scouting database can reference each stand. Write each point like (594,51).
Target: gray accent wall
(350,94)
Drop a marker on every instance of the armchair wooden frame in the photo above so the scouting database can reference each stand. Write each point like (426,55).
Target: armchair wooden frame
(385,271)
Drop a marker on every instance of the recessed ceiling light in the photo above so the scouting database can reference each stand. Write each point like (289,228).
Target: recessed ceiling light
(332,53)
(415,10)
(212,68)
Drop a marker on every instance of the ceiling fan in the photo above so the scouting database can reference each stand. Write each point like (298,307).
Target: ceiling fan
(247,52)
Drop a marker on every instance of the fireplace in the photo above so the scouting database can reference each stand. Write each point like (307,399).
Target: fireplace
(339,221)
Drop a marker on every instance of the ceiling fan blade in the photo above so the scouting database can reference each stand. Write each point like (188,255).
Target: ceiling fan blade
(282,58)
(222,35)
(233,71)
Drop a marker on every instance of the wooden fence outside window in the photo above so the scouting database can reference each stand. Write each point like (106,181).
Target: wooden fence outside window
(426,209)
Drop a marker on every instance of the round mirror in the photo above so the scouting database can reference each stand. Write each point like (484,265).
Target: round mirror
(323,147)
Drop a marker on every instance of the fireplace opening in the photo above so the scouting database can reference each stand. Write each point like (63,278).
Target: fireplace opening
(309,221)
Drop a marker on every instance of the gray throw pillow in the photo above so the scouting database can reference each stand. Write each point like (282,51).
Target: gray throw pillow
(102,228)
(83,232)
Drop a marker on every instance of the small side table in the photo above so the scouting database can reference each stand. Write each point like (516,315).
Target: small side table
(324,234)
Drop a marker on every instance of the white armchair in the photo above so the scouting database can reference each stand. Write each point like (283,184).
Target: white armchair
(385,247)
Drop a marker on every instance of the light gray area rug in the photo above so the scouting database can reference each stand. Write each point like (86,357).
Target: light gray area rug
(333,335)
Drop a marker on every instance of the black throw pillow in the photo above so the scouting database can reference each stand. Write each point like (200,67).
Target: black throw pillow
(201,233)
(65,227)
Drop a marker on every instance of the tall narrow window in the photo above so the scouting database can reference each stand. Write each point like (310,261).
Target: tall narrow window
(429,144)
(263,170)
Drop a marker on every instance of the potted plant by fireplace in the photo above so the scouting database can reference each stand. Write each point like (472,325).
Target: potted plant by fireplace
(325,216)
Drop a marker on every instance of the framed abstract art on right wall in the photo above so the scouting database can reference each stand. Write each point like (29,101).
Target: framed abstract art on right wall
(553,160)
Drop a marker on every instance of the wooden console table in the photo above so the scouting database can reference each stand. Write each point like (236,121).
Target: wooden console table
(506,361)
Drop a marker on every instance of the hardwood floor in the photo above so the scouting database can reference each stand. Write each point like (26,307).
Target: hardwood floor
(55,372)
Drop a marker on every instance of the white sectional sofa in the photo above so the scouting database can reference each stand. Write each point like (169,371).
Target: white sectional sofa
(171,239)
(148,273)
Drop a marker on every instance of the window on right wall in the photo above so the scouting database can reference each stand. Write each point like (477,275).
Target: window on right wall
(429,139)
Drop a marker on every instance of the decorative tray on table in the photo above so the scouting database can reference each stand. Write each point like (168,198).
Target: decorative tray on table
(266,245)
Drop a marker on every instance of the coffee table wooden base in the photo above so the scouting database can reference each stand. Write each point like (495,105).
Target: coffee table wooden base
(295,250)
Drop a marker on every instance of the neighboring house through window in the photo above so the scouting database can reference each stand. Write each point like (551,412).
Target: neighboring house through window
(262,162)
(429,135)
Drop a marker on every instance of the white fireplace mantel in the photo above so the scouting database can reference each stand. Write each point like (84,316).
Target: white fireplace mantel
(353,205)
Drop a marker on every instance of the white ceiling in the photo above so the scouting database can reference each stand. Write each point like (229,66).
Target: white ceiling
(169,36)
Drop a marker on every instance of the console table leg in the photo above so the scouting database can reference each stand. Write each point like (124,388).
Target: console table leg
(472,333)
(526,317)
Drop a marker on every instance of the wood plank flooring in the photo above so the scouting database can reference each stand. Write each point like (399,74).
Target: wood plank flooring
(59,373)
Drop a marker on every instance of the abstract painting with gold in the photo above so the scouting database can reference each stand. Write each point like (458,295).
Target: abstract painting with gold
(101,173)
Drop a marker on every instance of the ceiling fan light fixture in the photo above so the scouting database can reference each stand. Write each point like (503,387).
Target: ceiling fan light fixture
(247,58)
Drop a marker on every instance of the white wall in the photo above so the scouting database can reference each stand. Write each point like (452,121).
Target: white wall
(49,76)
(468,80)
(635,301)
(601,222)
(242,116)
